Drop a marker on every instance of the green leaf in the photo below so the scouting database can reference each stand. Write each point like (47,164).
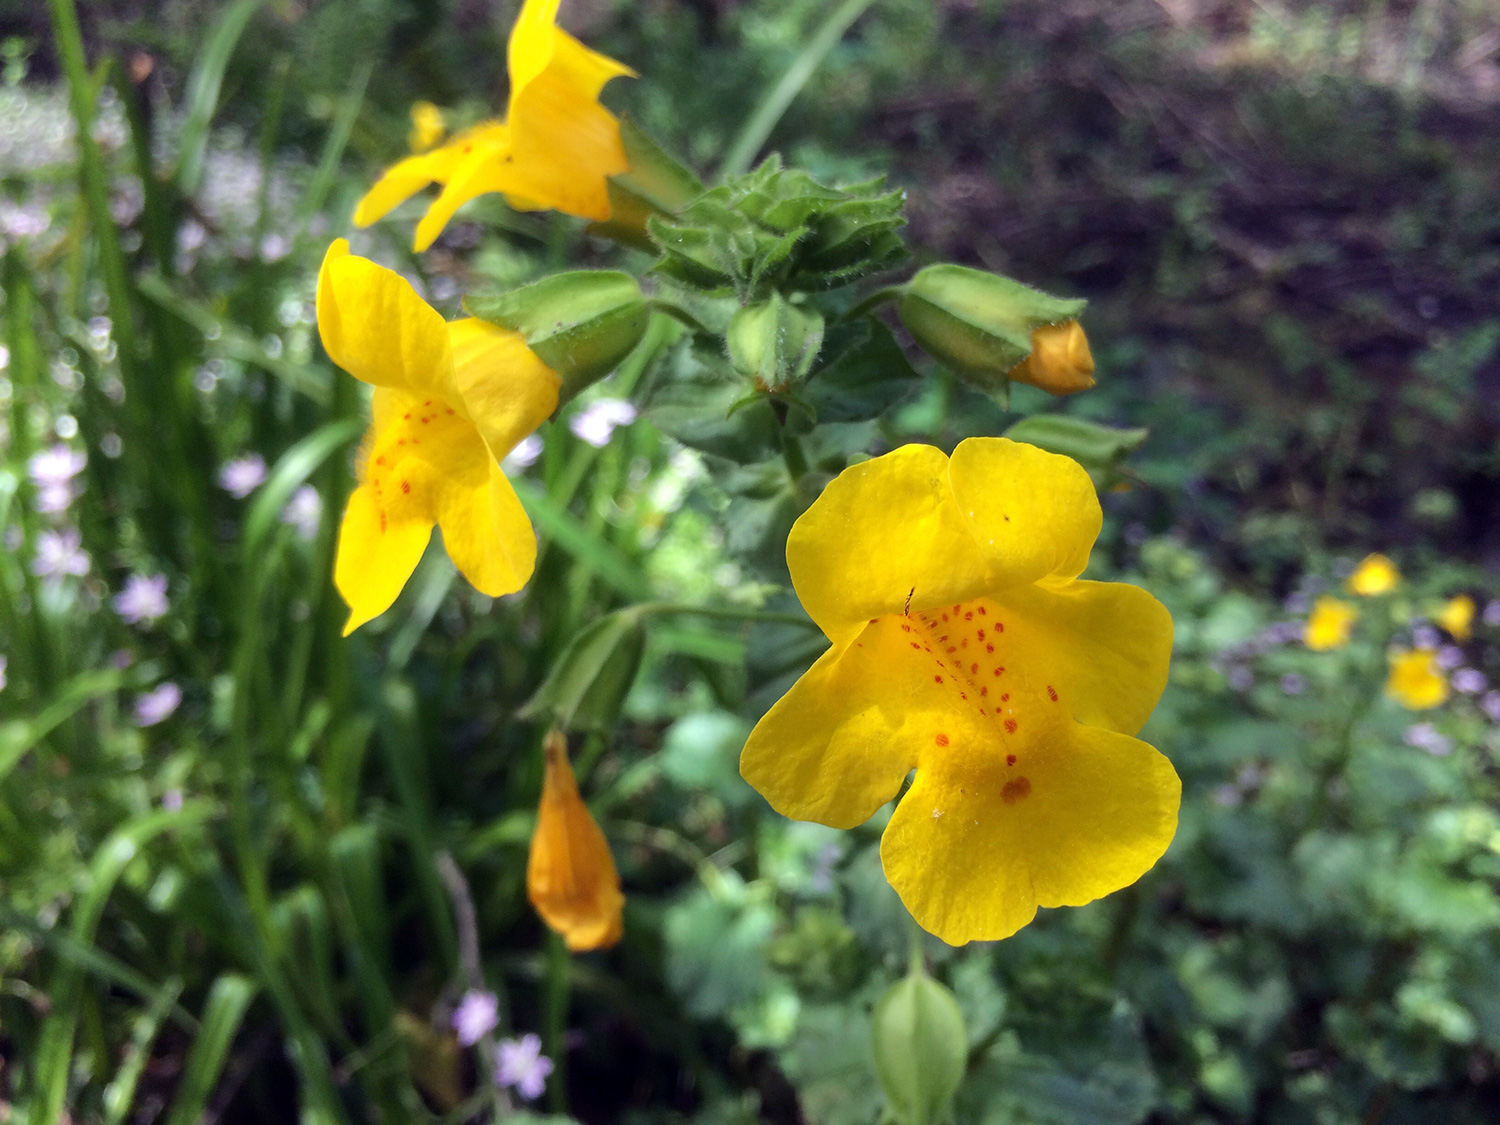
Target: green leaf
(227,1000)
(586,687)
(203,91)
(18,736)
(1093,446)
(864,373)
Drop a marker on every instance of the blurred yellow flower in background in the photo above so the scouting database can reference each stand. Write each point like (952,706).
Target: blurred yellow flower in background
(570,875)
(1415,681)
(555,149)
(965,646)
(427,126)
(450,401)
(1330,624)
(1376,574)
(1457,617)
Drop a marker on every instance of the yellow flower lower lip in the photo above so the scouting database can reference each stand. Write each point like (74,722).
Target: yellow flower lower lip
(1015,704)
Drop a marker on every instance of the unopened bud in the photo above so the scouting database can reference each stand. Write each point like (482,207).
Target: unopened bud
(1060,361)
(979,324)
(581,324)
(921,1049)
(773,343)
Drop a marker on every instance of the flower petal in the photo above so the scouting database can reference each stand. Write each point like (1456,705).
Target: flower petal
(376,555)
(1104,646)
(375,326)
(1033,513)
(838,745)
(506,389)
(487,533)
(881,532)
(975,846)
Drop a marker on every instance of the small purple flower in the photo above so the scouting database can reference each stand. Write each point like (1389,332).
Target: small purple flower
(1492,612)
(157,704)
(2,672)
(520,1063)
(121,659)
(59,554)
(52,499)
(1450,657)
(143,600)
(1425,636)
(1293,683)
(55,466)
(527,450)
(1227,796)
(476,1016)
(304,511)
(171,800)
(1241,678)
(1470,681)
(1490,705)
(596,421)
(243,475)
(1425,736)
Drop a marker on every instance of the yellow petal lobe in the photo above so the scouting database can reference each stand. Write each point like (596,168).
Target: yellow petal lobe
(507,391)
(570,875)
(1457,617)
(427,126)
(1415,681)
(376,555)
(1375,574)
(1330,624)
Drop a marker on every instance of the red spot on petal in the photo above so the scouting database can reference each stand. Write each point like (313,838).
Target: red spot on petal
(969,616)
(984,691)
(1010,726)
(915,645)
(981,634)
(973,668)
(999,671)
(999,626)
(406,486)
(906,628)
(1010,759)
(1005,697)
(406,417)
(1015,790)
(382,523)
(1052,693)
(941,740)
(980,611)
(957,608)
(964,696)
(989,648)
(937,679)
(951,650)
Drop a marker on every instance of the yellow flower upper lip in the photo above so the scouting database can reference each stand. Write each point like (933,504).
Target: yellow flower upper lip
(964,646)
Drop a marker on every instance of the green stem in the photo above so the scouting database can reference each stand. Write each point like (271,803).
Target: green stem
(559,967)
(872,302)
(758,128)
(791,453)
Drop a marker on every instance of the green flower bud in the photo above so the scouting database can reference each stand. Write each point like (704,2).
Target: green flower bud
(921,1049)
(979,324)
(586,688)
(774,343)
(581,323)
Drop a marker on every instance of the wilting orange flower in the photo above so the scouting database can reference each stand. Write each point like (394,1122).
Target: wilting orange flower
(570,875)
(555,149)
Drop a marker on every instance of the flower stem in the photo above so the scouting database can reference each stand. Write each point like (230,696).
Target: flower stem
(556,1016)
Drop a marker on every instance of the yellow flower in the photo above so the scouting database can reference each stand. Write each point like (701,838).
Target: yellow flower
(1415,681)
(427,126)
(570,875)
(964,645)
(450,401)
(555,149)
(1330,624)
(1375,575)
(1060,361)
(1458,617)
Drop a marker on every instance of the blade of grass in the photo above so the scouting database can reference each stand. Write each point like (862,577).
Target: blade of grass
(589,550)
(203,88)
(780,96)
(225,1008)
(119,1095)
(18,736)
(316,196)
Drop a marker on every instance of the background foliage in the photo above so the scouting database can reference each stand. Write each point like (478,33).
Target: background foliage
(1284,217)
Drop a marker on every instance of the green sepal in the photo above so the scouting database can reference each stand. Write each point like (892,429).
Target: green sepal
(1099,449)
(581,323)
(774,343)
(921,1049)
(656,184)
(586,688)
(976,323)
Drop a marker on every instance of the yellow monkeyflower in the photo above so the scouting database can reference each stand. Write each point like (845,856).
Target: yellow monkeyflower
(965,646)
(1415,681)
(1458,617)
(1375,575)
(555,149)
(1060,362)
(1330,624)
(450,401)
(427,127)
(570,874)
